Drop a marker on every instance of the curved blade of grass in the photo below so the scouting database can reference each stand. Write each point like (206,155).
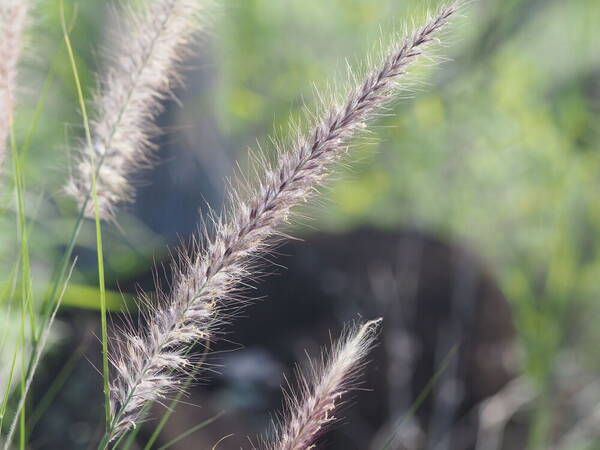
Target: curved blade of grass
(167,415)
(25,146)
(214,447)
(172,405)
(8,384)
(36,359)
(422,396)
(59,381)
(85,296)
(26,303)
(39,107)
(63,266)
(8,292)
(99,252)
(191,431)
(170,409)
(78,295)
(9,289)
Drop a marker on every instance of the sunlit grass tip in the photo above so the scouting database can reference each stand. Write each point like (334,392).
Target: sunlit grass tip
(209,283)
(311,407)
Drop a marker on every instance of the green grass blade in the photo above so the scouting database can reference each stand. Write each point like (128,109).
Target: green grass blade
(8,384)
(171,408)
(26,303)
(101,281)
(39,108)
(191,431)
(37,355)
(62,267)
(132,435)
(422,396)
(82,296)
(22,387)
(57,384)
(167,415)
(9,292)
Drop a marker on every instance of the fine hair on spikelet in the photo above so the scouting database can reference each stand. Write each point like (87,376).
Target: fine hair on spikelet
(144,69)
(311,407)
(208,283)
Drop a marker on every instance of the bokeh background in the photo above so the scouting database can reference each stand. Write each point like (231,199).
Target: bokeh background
(469,220)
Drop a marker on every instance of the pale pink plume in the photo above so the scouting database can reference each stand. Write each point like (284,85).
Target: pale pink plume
(311,408)
(211,280)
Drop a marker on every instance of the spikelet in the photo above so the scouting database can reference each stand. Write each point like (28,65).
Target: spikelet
(210,281)
(144,70)
(310,409)
(13,14)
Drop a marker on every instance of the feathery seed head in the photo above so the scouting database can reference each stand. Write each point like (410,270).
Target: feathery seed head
(310,409)
(209,285)
(143,73)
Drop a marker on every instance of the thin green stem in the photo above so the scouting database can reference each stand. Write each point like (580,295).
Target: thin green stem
(11,288)
(9,383)
(22,385)
(132,435)
(422,396)
(37,114)
(37,355)
(63,265)
(26,304)
(171,408)
(167,415)
(190,431)
(57,384)
(105,440)
(101,280)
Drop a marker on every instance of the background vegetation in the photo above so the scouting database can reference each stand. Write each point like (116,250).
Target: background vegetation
(497,148)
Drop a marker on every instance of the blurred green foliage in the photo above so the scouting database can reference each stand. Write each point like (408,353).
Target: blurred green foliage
(499,150)
(498,147)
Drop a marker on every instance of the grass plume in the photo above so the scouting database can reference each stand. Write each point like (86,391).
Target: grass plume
(311,407)
(210,281)
(13,14)
(144,71)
